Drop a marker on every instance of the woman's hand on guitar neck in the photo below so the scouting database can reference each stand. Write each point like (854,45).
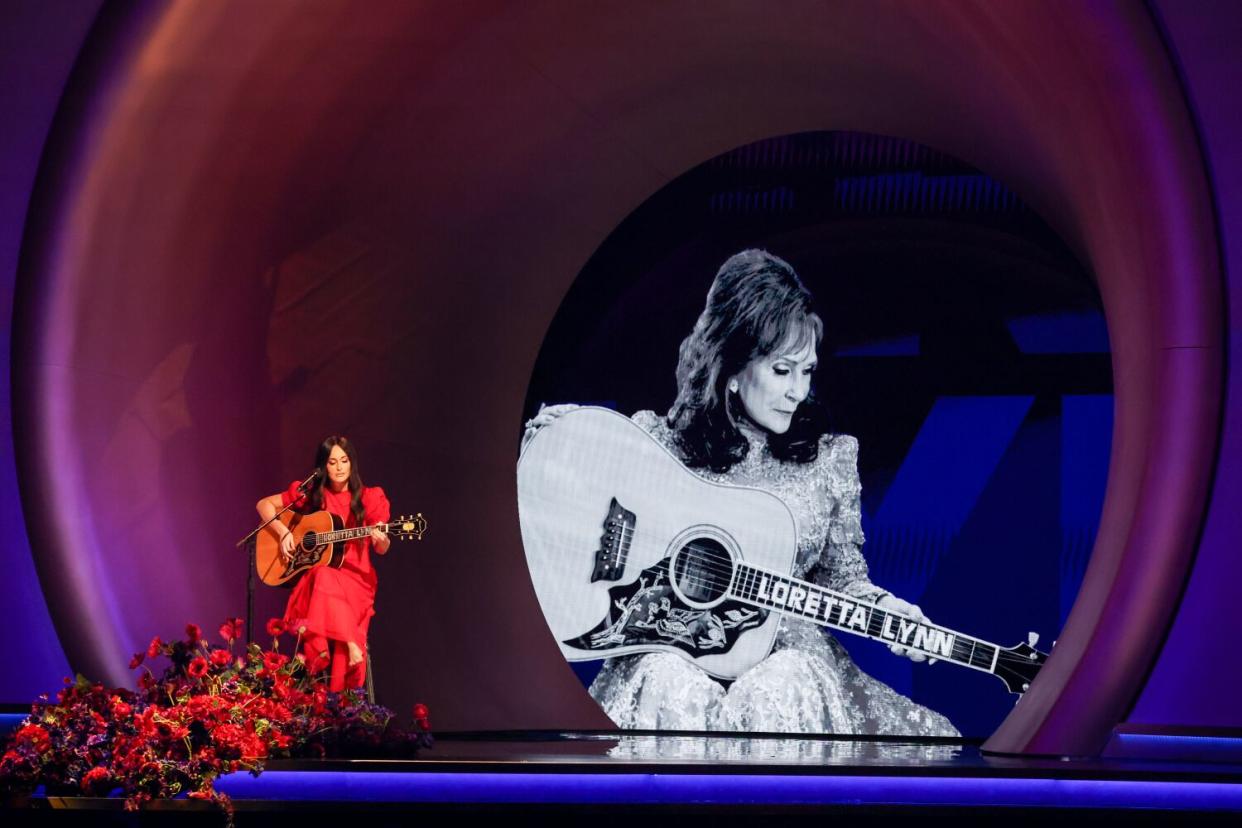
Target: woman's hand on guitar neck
(546,415)
(893,603)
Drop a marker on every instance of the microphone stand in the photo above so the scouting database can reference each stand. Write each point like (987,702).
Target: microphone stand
(249,543)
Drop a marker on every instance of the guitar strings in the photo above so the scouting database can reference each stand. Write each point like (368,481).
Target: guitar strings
(969,645)
(966,642)
(714,572)
(337,535)
(714,585)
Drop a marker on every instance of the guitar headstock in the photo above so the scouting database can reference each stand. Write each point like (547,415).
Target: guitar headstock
(406,527)
(1018,666)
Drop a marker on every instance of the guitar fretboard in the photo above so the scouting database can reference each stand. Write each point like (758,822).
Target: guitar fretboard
(790,596)
(348,534)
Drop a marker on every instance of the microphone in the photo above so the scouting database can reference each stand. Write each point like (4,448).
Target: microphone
(308,482)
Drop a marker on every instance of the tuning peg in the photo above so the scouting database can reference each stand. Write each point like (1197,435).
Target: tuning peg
(1032,638)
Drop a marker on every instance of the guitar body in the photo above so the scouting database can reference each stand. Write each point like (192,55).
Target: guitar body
(309,552)
(604,508)
(631,552)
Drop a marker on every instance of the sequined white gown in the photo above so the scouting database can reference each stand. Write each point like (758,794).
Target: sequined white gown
(808,684)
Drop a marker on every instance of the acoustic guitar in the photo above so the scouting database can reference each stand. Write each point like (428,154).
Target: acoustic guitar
(631,552)
(319,539)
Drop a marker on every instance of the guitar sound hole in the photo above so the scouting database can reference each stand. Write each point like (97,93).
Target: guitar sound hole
(702,570)
(309,542)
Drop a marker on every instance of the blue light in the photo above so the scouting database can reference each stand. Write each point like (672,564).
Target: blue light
(1170,747)
(958,447)
(729,789)
(1072,332)
(10,721)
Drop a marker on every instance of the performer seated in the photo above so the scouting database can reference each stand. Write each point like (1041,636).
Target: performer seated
(331,608)
(745,415)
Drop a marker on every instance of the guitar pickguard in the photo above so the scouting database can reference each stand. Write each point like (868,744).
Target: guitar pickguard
(648,612)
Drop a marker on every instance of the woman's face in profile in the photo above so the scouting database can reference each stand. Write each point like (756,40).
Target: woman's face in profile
(772,387)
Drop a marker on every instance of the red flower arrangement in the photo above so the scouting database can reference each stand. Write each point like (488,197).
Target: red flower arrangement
(209,713)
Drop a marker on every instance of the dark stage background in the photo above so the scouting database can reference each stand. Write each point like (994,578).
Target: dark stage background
(231,228)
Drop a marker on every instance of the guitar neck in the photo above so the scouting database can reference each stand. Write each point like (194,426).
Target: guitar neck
(341,535)
(828,608)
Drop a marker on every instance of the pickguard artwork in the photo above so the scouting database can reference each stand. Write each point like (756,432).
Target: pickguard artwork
(647,611)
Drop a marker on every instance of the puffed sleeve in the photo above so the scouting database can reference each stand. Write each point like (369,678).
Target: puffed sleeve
(292,496)
(375,506)
(842,566)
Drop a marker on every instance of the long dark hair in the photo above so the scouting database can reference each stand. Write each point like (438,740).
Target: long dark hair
(756,305)
(314,501)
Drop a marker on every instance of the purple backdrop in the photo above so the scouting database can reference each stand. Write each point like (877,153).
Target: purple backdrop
(38,44)
(455,165)
(1192,685)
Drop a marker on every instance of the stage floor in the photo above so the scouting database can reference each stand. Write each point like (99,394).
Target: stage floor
(608,778)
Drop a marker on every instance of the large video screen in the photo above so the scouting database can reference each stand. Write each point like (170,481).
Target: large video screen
(817,443)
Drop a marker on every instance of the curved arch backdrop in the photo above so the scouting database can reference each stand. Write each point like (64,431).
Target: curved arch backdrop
(364,224)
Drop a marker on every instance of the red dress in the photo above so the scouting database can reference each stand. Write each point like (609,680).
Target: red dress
(335,605)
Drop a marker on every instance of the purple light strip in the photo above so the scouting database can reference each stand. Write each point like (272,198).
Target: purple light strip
(729,789)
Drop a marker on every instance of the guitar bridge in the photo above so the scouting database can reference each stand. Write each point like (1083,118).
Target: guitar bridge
(614,544)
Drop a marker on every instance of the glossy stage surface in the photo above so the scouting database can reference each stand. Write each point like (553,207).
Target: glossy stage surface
(610,778)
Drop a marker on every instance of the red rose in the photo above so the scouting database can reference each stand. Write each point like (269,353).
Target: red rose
(96,780)
(221,658)
(275,626)
(420,711)
(146,681)
(197,668)
(274,661)
(193,633)
(153,649)
(146,722)
(121,710)
(34,736)
(136,661)
(231,629)
(252,747)
(201,707)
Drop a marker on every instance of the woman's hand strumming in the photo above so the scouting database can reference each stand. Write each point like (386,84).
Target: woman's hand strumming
(287,545)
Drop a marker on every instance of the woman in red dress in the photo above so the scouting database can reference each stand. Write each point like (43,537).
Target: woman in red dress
(331,608)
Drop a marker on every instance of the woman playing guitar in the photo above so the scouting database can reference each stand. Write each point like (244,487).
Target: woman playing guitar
(330,607)
(746,415)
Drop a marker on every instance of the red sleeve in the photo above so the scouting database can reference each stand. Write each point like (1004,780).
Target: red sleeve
(292,495)
(375,505)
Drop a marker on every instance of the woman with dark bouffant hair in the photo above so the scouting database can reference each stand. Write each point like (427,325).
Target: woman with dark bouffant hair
(746,415)
(331,608)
